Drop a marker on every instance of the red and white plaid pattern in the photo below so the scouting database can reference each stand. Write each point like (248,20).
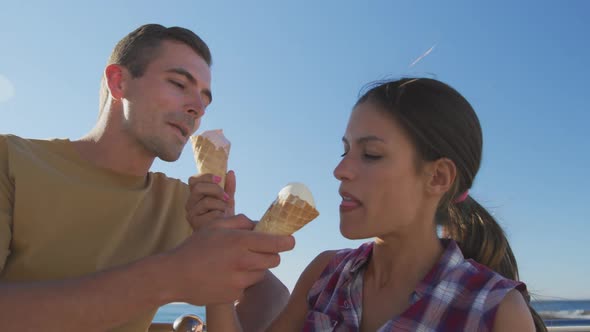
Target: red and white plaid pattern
(456,295)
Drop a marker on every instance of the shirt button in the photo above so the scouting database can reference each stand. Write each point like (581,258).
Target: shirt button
(346,304)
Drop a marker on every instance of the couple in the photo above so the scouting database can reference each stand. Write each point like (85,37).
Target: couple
(91,240)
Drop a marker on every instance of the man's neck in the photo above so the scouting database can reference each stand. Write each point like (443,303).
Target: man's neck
(108,147)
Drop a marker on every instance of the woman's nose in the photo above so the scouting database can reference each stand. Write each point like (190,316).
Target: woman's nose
(343,170)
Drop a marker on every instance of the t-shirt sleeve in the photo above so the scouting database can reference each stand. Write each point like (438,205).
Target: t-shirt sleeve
(6,203)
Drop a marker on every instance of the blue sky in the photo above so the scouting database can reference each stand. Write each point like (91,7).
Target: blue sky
(285,77)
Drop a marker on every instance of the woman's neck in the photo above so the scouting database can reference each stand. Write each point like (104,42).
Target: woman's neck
(401,261)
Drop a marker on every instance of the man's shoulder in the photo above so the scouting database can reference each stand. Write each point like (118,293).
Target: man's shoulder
(9,142)
(7,139)
(162,179)
(15,141)
(168,190)
(165,178)
(13,147)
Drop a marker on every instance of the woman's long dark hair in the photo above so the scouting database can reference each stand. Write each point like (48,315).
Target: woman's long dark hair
(441,123)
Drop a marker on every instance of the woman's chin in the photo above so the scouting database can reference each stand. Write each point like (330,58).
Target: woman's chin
(352,233)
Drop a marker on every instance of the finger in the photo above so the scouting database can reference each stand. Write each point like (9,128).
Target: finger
(269,243)
(239,222)
(205,205)
(230,183)
(206,220)
(203,178)
(230,189)
(200,209)
(258,261)
(206,189)
(202,190)
(199,178)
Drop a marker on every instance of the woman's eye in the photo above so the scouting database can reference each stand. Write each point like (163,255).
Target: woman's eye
(344,154)
(371,156)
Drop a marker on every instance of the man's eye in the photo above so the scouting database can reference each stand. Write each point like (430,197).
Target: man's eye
(178,85)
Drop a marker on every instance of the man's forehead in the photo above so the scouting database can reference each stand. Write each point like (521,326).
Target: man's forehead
(176,54)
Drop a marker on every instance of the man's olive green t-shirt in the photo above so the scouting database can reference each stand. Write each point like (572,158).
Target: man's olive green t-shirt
(62,217)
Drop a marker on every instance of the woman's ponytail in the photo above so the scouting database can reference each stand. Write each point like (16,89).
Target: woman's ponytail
(481,238)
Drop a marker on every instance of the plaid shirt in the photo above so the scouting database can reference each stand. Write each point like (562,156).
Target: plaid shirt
(456,295)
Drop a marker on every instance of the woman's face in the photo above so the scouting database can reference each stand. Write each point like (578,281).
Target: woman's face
(381,189)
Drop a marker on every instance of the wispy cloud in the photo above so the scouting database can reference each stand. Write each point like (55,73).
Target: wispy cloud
(6,89)
(418,59)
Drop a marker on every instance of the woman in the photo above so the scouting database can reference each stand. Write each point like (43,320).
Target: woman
(412,149)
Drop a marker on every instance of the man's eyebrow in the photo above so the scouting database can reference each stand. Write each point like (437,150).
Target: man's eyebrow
(191,78)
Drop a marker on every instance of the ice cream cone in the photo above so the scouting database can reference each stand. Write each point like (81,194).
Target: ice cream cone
(211,150)
(287,214)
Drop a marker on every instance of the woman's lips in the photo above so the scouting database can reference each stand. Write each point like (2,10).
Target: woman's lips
(349,202)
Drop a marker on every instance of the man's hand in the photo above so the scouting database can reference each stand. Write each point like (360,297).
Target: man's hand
(216,264)
(208,201)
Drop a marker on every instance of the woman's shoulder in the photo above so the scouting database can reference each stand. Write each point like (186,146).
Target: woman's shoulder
(327,261)
(328,267)
(479,283)
(331,260)
(483,292)
(315,268)
(513,314)
(482,275)
(472,275)
(307,287)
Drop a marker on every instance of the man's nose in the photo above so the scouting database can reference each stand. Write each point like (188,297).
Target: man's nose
(196,107)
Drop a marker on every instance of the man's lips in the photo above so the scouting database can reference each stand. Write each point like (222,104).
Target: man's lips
(184,131)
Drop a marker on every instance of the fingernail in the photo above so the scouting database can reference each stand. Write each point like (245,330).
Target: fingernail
(216,178)
(225,197)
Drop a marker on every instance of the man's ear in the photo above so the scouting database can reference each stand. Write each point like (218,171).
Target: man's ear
(116,77)
(441,176)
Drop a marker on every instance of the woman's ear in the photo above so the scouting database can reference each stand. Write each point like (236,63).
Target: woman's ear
(441,176)
(116,76)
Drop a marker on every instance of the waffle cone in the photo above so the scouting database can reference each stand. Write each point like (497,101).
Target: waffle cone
(285,217)
(210,158)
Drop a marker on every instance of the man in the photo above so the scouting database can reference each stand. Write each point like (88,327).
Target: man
(90,240)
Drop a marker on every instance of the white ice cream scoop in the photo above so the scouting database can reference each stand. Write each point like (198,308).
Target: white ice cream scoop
(217,138)
(297,189)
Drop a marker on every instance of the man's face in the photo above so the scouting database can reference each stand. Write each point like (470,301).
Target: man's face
(163,107)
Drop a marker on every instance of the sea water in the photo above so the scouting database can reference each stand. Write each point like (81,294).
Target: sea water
(554,312)
(564,312)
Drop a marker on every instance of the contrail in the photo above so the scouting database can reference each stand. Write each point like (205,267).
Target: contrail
(422,56)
